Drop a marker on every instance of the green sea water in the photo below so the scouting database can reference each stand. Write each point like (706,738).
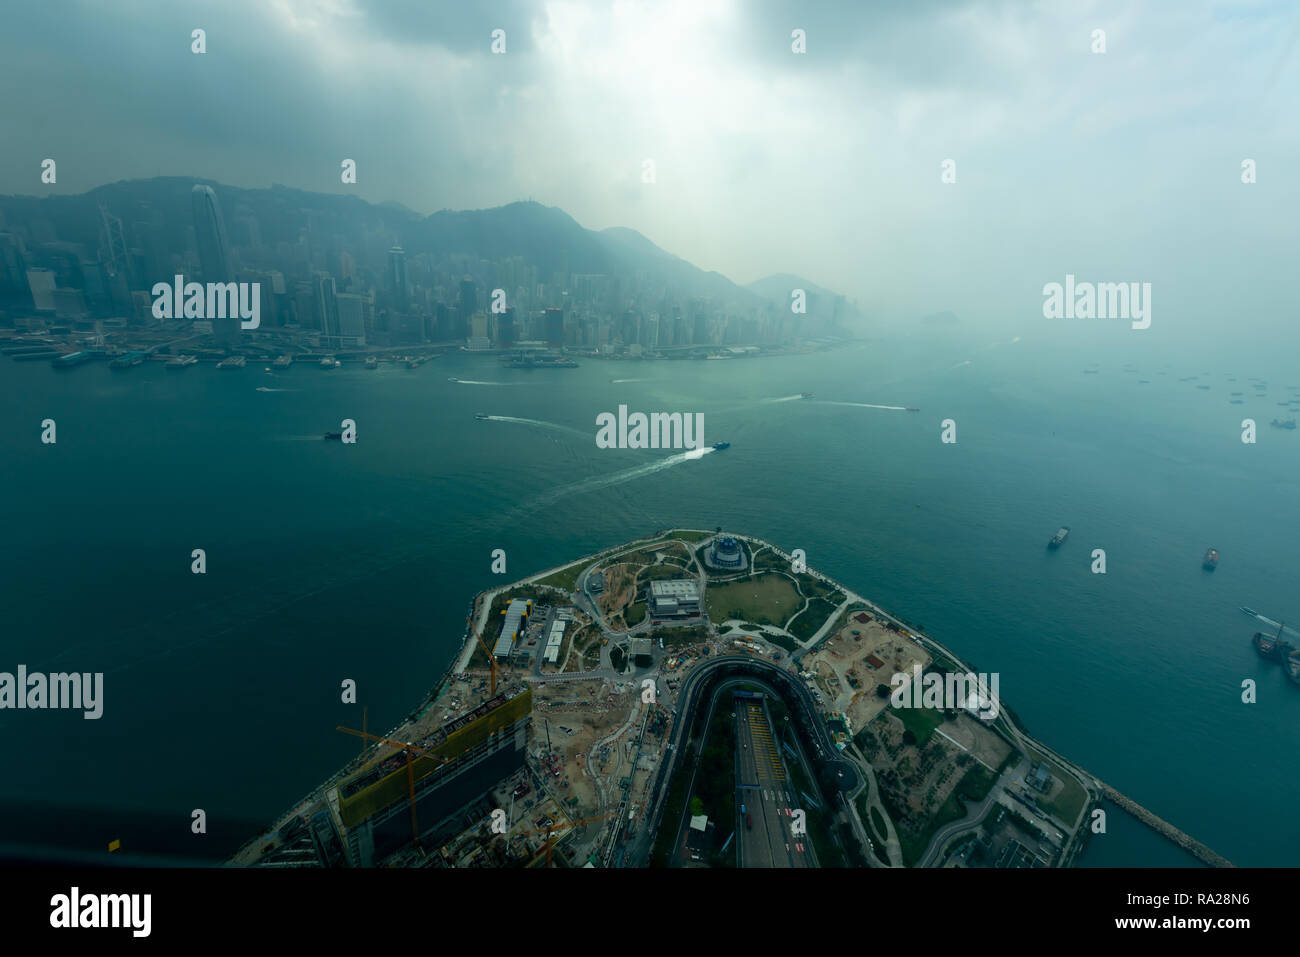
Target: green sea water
(328,562)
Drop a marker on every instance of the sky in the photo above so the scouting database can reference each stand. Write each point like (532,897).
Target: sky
(1116,167)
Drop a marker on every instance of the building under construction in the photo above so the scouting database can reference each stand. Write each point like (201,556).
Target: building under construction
(455,766)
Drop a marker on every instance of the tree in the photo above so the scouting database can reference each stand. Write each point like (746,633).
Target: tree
(697,806)
(909,737)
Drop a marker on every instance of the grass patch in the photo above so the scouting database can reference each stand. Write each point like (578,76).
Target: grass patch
(920,721)
(878,826)
(767,599)
(805,625)
(566,578)
(1068,803)
(634,613)
(681,636)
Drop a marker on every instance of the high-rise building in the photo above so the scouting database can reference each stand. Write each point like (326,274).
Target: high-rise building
(555,328)
(210,235)
(397,276)
(42,283)
(214,255)
(353,309)
(466,306)
(327,309)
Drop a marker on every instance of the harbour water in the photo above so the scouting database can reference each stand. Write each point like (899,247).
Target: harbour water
(328,562)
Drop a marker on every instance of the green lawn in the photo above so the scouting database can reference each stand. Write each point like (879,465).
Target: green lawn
(920,721)
(768,599)
(566,578)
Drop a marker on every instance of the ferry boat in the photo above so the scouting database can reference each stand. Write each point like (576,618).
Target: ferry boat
(127,360)
(283,362)
(1211,560)
(1059,537)
(234,362)
(73,359)
(719,446)
(180,362)
(329,362)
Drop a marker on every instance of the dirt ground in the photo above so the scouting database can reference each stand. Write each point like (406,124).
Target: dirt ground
(842,655)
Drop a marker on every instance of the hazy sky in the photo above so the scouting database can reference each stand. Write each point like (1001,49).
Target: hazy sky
(1122,166)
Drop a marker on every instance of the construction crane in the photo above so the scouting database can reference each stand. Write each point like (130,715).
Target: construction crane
(492,661)
(410,772)
(550,829)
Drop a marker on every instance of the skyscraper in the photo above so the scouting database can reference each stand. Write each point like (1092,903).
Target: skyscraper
(397,276)
(214,255)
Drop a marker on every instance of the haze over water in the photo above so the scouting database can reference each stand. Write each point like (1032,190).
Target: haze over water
(328,562)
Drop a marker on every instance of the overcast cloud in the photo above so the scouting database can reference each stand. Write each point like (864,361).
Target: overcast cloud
(1122,166)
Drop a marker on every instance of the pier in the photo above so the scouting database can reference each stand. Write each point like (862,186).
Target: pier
(1189,844)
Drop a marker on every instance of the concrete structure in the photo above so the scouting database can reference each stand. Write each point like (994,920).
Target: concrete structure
(552,653)
(514,622)
(471,754)
(679,598)
(725,553)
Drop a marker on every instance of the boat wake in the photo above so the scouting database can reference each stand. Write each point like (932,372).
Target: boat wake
(598,482)
(868,405)
(262,388)
(483,382)
(538,422)
(616,381)
(785,398)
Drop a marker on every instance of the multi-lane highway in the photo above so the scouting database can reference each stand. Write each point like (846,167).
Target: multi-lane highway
(765,828)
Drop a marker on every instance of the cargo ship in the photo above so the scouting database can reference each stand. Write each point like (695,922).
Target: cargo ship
(234,362)
(1059,537)
(1211,560)
(719,446)
(1274,648)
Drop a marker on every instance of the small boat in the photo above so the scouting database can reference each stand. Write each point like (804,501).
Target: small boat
(719,446)
(283,362)
(372,362)
(452,378)
(1250,611)
(329,362)
(1059,537)
(805,395)
(337,436)
(180,362)
(1211,560)
(481,415)
(1287,424)
(911,408)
